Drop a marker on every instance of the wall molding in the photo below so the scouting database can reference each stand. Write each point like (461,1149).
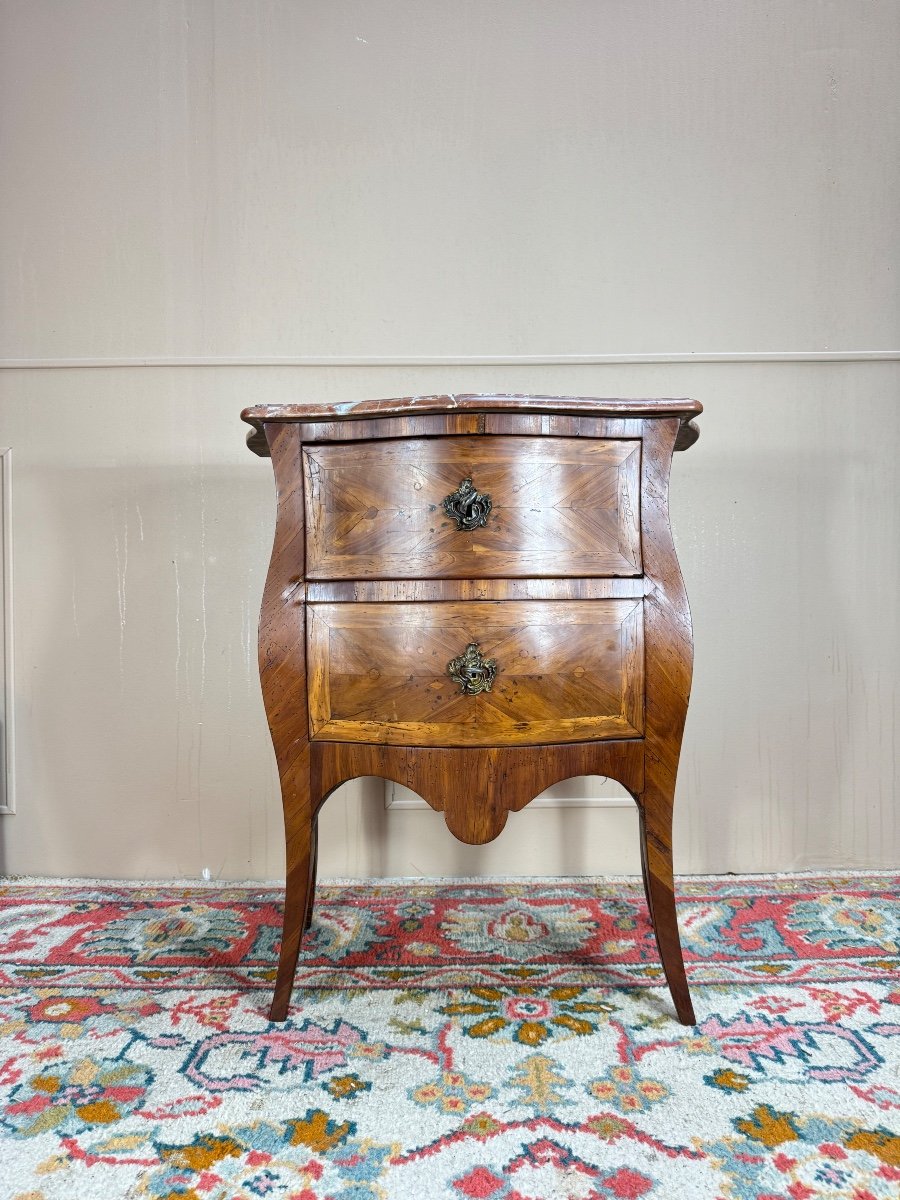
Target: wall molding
(398,797)
(455,360)
(392,802)
(7,735)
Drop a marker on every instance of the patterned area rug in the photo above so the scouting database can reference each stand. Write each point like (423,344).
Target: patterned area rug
(474,1041)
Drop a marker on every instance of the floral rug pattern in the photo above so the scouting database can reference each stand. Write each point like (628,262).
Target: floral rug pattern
(468,1041)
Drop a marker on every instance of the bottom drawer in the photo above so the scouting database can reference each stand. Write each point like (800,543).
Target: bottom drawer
(551,670)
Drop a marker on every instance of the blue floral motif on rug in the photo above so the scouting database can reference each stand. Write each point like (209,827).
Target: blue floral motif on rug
(474,1041)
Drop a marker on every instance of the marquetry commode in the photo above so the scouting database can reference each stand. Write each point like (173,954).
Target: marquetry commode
(475,596)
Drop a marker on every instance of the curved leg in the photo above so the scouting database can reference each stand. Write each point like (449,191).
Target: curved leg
(313,869)
(656,861)
(645,872)
(668,658)
(299,825)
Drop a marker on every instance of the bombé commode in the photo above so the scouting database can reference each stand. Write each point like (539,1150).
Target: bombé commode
(476,597)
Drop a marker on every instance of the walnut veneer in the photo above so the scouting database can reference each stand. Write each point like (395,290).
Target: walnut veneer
(476,597)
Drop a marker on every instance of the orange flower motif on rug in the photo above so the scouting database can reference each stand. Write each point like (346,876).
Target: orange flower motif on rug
(529,1016)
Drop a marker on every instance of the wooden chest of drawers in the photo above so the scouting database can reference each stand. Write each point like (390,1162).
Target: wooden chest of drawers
(475,596)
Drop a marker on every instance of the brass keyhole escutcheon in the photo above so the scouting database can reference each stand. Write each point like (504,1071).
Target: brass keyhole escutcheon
(472,671)
(467,507)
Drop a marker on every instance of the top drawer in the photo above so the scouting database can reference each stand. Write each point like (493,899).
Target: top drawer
(559,507)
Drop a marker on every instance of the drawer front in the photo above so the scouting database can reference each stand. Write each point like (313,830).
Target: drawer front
(565,671)
(558,507)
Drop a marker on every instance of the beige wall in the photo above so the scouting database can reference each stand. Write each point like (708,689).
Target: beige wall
(513,181)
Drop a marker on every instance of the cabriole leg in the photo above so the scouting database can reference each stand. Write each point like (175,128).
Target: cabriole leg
(313,869)
(299,827)
(659,885)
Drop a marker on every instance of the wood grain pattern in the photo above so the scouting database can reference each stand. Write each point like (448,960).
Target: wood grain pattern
(412,426)
(521,424)
(669,651)
(360,630)
(475,789)
(282,670)
(560,508)
(371,590)
(567,671)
